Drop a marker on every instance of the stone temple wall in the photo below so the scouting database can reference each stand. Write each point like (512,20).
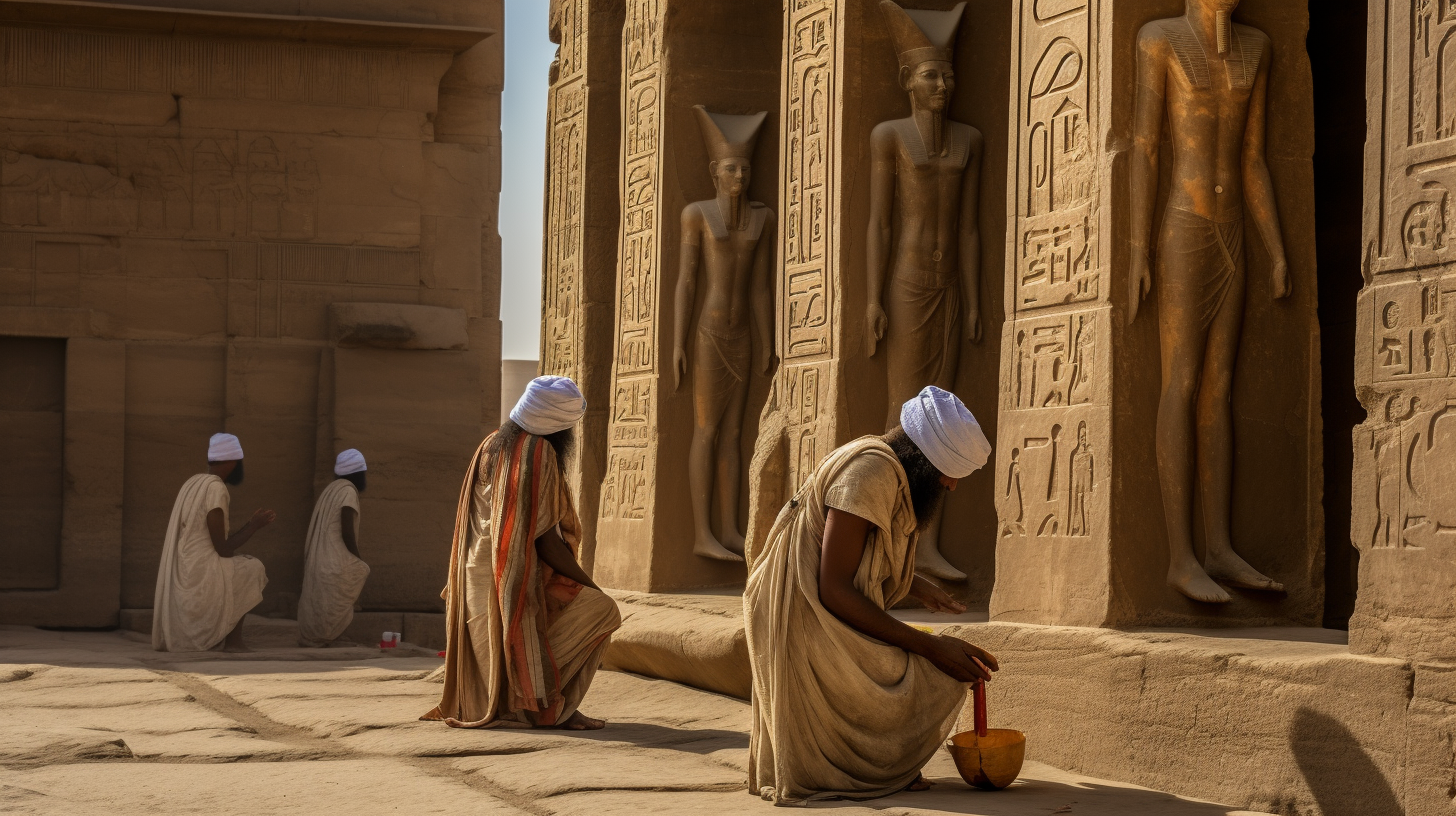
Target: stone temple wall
(274,219)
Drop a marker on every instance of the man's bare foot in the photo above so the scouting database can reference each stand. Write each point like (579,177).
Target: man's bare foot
(235,647)
(929,561)
(708,547)
(1186,576)
(920,784)
(581,722)
(1225,565)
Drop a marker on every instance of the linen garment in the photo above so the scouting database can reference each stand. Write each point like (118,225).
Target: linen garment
(333,577)
(837,713)
(522,643)
(200,595)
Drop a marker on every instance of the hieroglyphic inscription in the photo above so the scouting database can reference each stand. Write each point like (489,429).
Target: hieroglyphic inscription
(562,290)
(1055,362)
(1411,501)
(810,275)
(627,488)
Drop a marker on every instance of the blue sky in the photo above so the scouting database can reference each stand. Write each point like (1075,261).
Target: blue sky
(529,52)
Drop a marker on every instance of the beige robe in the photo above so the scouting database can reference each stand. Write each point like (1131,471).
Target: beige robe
(333,577)
(477,691)
(201,596)
(837,713)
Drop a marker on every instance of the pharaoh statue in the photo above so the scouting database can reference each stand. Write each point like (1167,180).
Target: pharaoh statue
(923,231)
(1209,77)
(727,233)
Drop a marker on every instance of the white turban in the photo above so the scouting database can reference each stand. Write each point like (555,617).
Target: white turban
(350,461)
(224,447)
(550,404)
(949,436)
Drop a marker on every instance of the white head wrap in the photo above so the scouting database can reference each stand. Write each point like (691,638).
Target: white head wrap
(350,461)
(949,436)
(550,404)
(224,447)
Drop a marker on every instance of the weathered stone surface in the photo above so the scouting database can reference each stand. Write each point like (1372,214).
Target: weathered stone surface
(697,641)
(398,326)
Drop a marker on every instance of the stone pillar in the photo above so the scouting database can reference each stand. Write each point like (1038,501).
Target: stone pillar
(584,129)
(1404,514)
(840,81)
(1082,538)
(676,54)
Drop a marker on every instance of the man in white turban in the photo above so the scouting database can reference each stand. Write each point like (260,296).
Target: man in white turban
(333,572)
(525,625)
(847,701)
(204,589)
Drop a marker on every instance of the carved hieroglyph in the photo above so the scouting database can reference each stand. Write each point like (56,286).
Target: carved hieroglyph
(1051,482)
(723,244)
(577,314)
(1404,513)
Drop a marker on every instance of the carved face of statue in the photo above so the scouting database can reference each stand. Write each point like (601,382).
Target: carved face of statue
(731,175)
(1082,436)
(930,85)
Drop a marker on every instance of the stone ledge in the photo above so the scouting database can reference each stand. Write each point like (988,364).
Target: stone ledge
(1278,720)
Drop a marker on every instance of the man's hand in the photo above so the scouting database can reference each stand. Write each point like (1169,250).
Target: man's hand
(935,598)
(262,518)
(679,367)
(875,324)
(1140,282)
(1282,285)
(959,659)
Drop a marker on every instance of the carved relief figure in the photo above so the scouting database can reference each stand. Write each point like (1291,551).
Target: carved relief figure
(727,232)
(923,230)
(1083,480)
(1209,77)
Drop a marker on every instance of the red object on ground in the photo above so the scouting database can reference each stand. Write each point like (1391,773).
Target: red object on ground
(439,654)
(979,693)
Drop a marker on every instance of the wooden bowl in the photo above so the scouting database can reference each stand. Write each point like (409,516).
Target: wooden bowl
(991,762)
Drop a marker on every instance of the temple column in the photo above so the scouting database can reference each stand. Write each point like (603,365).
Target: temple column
(1083,536)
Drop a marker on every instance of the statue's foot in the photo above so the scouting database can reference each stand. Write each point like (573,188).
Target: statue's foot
(734,542)
(1223,564)
(929,561)
(708,547)
(1190,579)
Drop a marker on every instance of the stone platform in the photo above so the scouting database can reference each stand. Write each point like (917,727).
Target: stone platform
(1277,720)
(99,723)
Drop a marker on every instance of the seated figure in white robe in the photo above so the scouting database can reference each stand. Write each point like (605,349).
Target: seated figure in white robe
(203,588)
(333,572)
(849,702)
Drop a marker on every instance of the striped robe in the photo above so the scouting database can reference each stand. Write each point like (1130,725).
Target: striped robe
(522,643)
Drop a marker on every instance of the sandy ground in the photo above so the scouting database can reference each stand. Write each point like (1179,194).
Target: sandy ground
(99,723)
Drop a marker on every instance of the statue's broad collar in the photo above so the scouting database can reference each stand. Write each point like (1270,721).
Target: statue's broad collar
(957,142)
(718,225)
(1243,63)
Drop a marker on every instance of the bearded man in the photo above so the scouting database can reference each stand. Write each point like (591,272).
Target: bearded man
(849,702)
(333,571)
(525,625)
(204,589)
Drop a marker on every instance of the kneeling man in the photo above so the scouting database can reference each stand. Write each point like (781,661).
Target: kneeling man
(333,572)
(203,589)
(525,626)
(847,701)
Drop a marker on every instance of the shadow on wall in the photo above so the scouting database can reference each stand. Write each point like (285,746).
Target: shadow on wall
(1344,781)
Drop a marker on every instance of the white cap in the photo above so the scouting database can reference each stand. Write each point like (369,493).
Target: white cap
(550,404)
(224,447)
(350,461)
(949,436)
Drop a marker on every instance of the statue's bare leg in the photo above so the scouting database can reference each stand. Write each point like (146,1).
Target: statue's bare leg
(1183,346)
(709,420)
(1216,448)
(730,466)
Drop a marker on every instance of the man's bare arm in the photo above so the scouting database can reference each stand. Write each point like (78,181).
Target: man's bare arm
(558,556)
(844,542)
(1152,73)
(225,546)
(687,293)
(877,239)
(347,529)
(970,238)
(1258,186)
(762,294)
